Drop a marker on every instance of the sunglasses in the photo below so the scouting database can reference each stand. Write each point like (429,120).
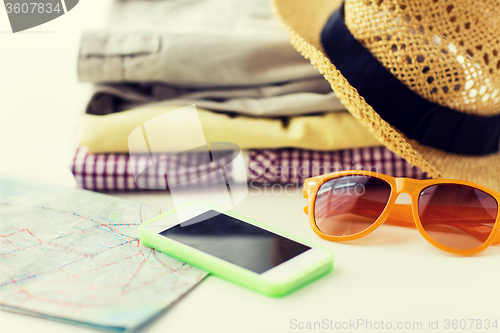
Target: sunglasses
(453,215)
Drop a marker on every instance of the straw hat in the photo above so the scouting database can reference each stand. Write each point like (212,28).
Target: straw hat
(422,76)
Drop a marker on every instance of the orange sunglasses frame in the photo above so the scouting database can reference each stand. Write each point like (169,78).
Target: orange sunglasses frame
(398,214)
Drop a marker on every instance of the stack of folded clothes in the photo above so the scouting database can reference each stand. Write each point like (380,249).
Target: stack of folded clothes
(250,87)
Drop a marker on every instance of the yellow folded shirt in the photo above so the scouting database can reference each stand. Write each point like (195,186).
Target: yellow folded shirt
(331,131)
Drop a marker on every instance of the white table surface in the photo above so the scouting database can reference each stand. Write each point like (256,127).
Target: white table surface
(392,275)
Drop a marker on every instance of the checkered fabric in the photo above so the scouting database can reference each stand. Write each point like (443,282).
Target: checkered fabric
(295,165)
(114,172)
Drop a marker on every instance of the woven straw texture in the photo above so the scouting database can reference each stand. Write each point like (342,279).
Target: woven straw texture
(446,51)
(303,21)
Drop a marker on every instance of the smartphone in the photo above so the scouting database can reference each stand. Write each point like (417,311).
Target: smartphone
(236,248)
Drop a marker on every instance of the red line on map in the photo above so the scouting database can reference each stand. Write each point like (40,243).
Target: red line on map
(138,269)
(17,285)
(33,235)
(14,233)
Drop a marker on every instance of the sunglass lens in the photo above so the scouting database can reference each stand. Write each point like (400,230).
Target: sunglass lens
(348,205)
(457,216)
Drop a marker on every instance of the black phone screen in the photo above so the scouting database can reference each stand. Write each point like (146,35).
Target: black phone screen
(236,241)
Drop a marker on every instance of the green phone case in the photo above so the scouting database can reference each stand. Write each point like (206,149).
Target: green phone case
(232,272)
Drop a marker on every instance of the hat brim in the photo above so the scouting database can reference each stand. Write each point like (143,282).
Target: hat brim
(304,21)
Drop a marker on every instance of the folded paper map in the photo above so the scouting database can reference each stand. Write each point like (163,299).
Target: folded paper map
(74,255)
